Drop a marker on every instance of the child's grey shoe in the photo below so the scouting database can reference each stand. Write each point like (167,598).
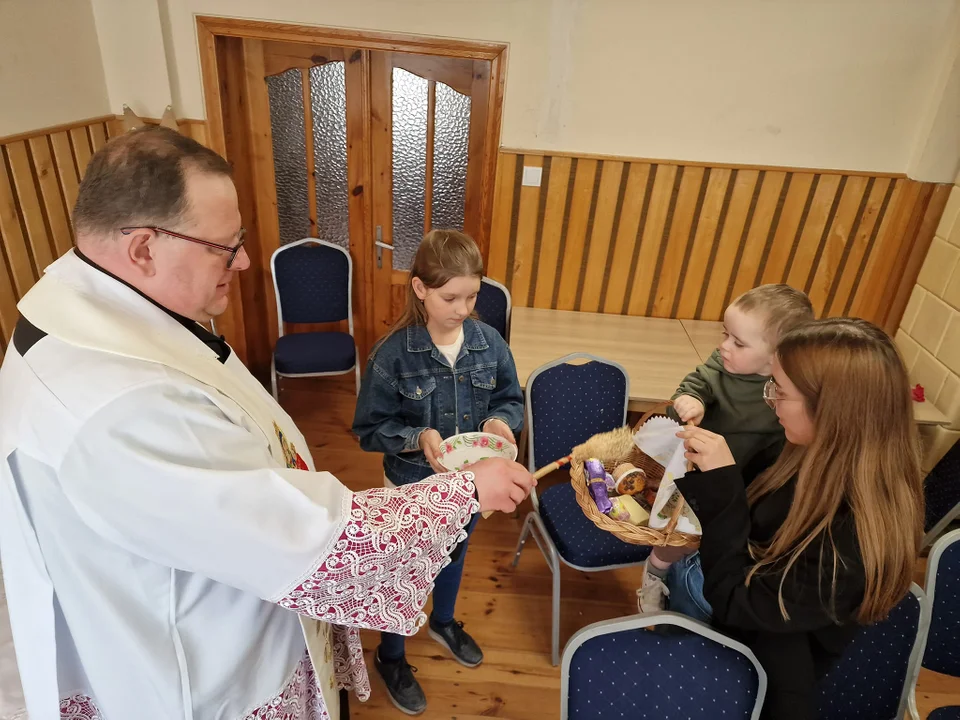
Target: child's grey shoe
(455,639)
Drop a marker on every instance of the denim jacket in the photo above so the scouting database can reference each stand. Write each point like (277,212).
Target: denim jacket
(409,387)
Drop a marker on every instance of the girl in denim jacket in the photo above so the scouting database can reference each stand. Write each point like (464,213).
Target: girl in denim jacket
(437,372)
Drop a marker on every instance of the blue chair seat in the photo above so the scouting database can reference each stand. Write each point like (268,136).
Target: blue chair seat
(315,352)
(945,713)
(641,674)
(578,540)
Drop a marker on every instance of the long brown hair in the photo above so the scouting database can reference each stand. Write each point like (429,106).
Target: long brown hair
(865,458)
(442,256)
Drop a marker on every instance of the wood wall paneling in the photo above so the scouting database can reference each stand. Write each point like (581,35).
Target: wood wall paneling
(40,174)
(610,234)
(670,239)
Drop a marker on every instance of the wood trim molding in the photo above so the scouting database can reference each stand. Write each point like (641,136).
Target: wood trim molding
(343,37)
(57,128)
(698,163)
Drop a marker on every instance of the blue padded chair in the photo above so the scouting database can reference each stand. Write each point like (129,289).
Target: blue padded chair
(494,306)
(313,281)
(618,669)
(566,405)
(941,491)
(943,598)
(877,675)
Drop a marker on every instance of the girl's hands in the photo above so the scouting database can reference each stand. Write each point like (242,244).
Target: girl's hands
(430,441)
(500,428)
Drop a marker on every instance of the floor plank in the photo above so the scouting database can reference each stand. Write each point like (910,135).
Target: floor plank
(506,609)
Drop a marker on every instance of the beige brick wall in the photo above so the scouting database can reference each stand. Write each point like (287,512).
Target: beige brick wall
(929,335)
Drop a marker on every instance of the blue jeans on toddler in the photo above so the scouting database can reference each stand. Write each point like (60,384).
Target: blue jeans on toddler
(685,583)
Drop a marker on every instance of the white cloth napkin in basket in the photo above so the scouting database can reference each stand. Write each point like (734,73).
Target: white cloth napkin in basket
(658,438)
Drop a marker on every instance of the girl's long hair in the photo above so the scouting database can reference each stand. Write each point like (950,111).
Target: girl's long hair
(864,459)
(442,256)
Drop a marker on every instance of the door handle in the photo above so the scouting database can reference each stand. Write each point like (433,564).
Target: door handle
(381,246)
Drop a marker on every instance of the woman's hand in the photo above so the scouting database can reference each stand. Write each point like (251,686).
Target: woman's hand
(498,427)
(688,409)
(706,450)
(430,442)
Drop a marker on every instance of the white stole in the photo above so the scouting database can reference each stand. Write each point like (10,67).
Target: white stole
(93,322)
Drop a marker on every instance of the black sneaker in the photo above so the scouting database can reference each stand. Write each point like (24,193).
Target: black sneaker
(404,690)
(455,639)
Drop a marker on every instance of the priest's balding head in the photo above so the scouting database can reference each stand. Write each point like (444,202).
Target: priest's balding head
(159,210)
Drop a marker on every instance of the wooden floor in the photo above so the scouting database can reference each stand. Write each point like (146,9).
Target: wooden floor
(506,609)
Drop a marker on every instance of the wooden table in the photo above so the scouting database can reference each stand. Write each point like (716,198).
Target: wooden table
(706,335)
(656,352)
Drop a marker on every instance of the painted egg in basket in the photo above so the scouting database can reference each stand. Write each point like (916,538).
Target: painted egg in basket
(461,450)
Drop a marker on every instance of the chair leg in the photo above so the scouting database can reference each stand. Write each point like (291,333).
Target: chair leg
(524,533)
(555,625)
(273,380)
(356,368)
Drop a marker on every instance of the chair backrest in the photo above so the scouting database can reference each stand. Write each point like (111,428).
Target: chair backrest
(568,403)
(616,668)
(876,677)
(494,306)
(941,491)
(313,281)
(943,596)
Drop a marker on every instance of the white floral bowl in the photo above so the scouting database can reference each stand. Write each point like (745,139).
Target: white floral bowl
(461,450)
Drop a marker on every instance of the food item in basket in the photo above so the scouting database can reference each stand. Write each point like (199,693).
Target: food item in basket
(630,479)
(596,479)
(610,483)
(626,509)
(647,497)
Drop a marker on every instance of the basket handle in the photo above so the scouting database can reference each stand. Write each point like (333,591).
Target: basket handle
(657,409)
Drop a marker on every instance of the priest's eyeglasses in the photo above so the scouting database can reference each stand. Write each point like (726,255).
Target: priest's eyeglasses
(241,238)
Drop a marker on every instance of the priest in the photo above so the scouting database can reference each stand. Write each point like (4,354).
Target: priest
(168,547)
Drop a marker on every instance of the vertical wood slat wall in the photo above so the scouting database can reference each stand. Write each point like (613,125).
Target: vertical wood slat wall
(599,234)
(39,176)
(666,239)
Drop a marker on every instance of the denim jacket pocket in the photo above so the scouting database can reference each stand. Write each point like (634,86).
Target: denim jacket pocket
(416,400)
(484,382)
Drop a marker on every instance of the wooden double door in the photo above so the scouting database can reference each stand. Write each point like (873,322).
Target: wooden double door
(365,148)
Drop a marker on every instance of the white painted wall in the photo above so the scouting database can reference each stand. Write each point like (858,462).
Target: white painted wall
(870,85)
(50,68)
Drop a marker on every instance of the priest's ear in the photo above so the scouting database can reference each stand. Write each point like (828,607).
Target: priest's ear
(140,249)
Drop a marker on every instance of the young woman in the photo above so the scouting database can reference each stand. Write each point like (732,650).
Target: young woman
(827,537)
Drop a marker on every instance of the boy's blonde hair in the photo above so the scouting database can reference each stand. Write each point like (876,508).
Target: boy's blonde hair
(782,307)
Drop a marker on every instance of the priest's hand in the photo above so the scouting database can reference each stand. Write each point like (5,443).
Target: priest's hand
(501,484)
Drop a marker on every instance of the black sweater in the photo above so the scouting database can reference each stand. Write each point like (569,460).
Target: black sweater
(797,652)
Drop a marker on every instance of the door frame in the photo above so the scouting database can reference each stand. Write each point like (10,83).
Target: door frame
(244,324)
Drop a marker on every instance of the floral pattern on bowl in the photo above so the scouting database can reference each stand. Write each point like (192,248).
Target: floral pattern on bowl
(461,450)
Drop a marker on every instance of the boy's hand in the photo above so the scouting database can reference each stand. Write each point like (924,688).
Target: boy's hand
(430,441)
(499,428)
(689,409)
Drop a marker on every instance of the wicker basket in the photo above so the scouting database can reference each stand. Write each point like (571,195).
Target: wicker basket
(633,534)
